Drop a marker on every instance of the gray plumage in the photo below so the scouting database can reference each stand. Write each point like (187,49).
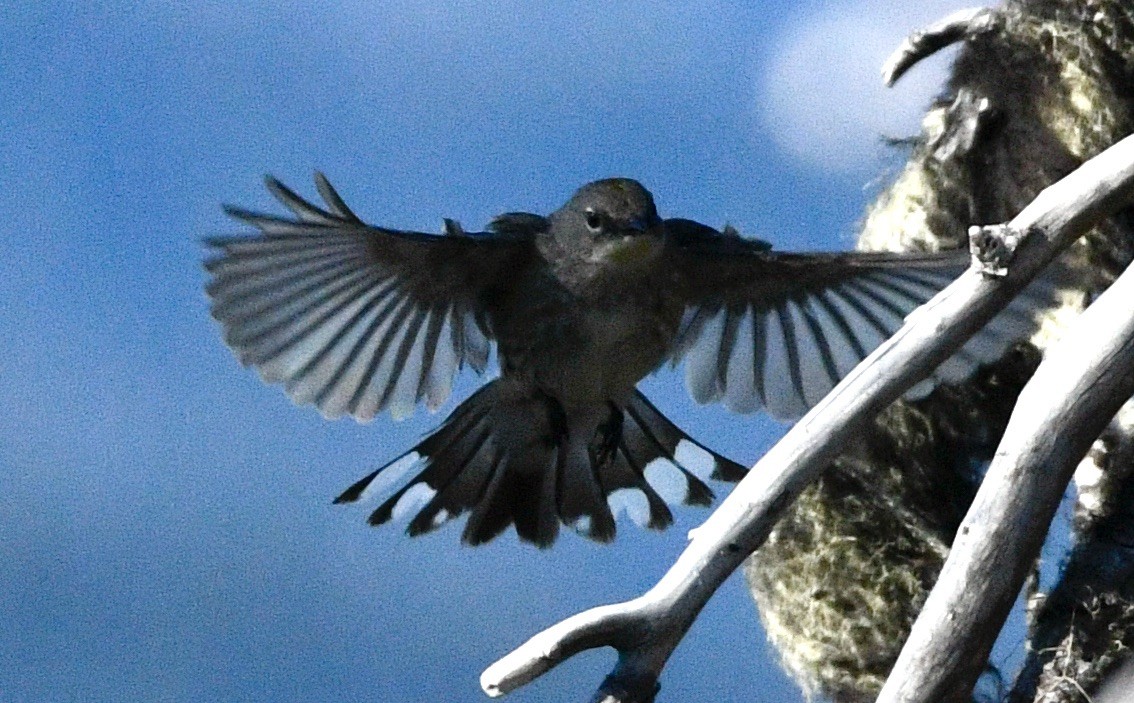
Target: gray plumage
(580,306)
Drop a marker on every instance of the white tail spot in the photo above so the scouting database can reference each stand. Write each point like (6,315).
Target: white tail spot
(631,501)
(699,462)
(413,499)
(667,480)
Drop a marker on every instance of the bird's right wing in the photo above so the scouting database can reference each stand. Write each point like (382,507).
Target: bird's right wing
(780,330)
(356,319)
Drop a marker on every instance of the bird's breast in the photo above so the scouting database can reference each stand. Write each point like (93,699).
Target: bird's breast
(585,351)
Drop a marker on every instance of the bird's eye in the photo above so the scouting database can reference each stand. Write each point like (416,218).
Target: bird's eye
(594,221)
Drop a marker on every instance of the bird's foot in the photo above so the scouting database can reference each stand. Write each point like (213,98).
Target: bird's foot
(607,437)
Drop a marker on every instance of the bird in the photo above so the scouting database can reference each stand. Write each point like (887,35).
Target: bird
(576,307)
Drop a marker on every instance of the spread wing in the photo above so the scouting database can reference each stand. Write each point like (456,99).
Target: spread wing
(352,318)
(779,330)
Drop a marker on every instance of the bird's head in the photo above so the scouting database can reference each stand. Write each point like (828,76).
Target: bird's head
(610,221)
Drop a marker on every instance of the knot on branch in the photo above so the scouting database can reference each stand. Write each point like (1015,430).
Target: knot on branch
(993,247)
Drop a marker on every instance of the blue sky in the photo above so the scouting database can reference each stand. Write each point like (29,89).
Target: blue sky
(165,519)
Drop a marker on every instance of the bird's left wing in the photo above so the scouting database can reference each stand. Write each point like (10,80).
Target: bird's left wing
(356,319)
(780,330)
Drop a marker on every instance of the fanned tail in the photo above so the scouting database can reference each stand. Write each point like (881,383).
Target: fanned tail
(516,458)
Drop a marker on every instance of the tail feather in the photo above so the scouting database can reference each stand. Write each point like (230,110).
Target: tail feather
(533,506)
(493,511)
(660,473)
(459,473)
(627,489)
(448,436)
(540,476)
(660,516)
(457,488)
(678,446)
(582,496)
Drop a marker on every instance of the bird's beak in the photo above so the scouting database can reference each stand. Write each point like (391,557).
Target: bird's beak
(638,225)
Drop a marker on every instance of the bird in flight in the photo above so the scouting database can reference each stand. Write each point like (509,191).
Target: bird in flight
(579,306)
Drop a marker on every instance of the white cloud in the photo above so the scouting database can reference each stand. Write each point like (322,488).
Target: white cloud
(821,97)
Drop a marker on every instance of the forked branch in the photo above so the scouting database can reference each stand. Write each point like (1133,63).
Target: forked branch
(645,630)
(1082,382)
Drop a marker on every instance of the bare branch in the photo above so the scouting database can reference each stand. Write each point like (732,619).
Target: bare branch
(1082,382)
(1075,625)
(627,622)
(958,26)
(647,629)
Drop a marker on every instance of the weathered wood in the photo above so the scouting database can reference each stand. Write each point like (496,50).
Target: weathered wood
(1080,385)
(645,630)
